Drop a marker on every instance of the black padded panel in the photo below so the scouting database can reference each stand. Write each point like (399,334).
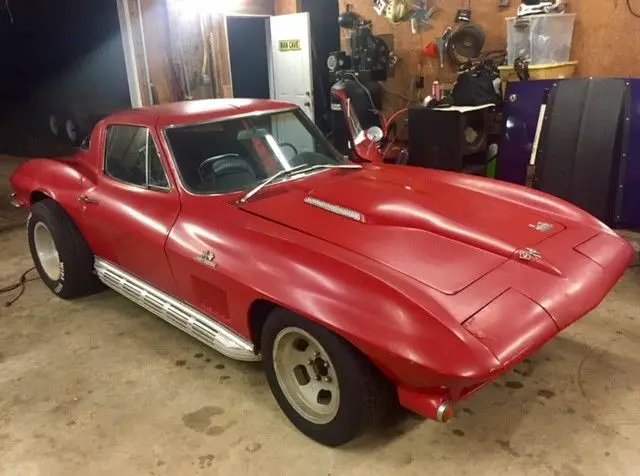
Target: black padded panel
(558,141)
(583,140)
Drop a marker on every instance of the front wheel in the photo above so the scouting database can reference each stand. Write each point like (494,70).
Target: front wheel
(325,386)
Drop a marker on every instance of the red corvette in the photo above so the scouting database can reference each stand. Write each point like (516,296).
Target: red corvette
(357,285)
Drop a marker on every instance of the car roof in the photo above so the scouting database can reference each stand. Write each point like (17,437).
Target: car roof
(193,112)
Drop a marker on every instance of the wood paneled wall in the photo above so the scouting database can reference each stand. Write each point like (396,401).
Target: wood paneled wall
(137,39)
(602,42)
(252,7)
(282,7)
(155,23)
(182,51)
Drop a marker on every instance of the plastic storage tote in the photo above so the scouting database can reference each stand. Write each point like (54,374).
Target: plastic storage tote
(544,39)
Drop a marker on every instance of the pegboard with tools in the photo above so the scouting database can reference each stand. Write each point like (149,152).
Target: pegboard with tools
(598,25)
(417,28)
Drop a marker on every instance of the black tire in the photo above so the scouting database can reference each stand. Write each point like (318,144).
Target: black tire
(366,397)
(70,122)
(54,124)
(76,259)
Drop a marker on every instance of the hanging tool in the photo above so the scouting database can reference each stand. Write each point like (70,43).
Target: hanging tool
(442,44)
(464,14)
(420,18)
(465,43)
(537,7)
(430,50)
(380,6)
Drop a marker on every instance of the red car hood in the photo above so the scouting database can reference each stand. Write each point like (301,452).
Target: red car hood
(434,228)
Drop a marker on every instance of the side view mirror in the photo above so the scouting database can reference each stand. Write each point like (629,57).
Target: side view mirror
(374,134)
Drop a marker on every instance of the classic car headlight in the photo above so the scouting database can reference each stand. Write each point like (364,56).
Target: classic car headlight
(510,325)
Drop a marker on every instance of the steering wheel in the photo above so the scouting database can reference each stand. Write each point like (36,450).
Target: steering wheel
(211,160)
(288,144)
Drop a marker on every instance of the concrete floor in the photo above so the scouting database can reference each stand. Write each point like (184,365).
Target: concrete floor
(101,387)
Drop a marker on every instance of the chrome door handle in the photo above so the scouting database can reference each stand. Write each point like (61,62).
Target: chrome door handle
(86,199)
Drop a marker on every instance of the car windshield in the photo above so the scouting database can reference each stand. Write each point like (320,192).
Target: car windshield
(240,153)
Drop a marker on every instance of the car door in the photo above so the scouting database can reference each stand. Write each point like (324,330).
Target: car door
(131,208)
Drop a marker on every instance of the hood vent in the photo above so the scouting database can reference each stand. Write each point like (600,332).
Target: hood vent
(337,209)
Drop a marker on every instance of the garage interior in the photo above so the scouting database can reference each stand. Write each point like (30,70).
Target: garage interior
(99,386)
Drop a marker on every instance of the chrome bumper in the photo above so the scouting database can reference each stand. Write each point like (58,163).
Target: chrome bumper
(13,201)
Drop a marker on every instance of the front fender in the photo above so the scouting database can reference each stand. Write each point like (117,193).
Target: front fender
(339,291)
(562,210)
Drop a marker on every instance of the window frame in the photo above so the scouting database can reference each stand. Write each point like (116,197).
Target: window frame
(146,186)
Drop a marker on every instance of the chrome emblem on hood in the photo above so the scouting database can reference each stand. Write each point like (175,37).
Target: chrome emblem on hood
(541,226)
(528,254)
(337,209)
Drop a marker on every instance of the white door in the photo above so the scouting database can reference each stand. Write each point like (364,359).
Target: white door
(292,77)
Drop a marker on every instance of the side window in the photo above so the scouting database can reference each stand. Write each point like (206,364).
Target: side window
(132,157)
(86,143)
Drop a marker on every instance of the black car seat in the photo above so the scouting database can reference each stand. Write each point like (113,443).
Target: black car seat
(232,173)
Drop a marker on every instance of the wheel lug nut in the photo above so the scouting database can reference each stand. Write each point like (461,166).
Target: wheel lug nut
(327,379)
(316,354)
(309,362)
(326,365)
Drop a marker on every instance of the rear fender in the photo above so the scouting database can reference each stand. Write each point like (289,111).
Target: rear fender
(58,180)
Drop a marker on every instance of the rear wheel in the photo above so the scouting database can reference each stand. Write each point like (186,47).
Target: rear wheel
(61,255)
(325,386)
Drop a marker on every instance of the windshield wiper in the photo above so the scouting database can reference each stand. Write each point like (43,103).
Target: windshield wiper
(303,168)
(273,178)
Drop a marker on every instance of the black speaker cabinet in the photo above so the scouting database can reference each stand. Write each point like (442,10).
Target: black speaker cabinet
(448,139)
(582,151)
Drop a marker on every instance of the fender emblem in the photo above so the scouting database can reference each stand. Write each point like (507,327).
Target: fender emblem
(541,226)
(529,254)
(206,257)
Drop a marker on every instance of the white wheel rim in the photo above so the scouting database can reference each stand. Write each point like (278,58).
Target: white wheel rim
(53,125)
(306,375)
(71,130)
(46,251)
